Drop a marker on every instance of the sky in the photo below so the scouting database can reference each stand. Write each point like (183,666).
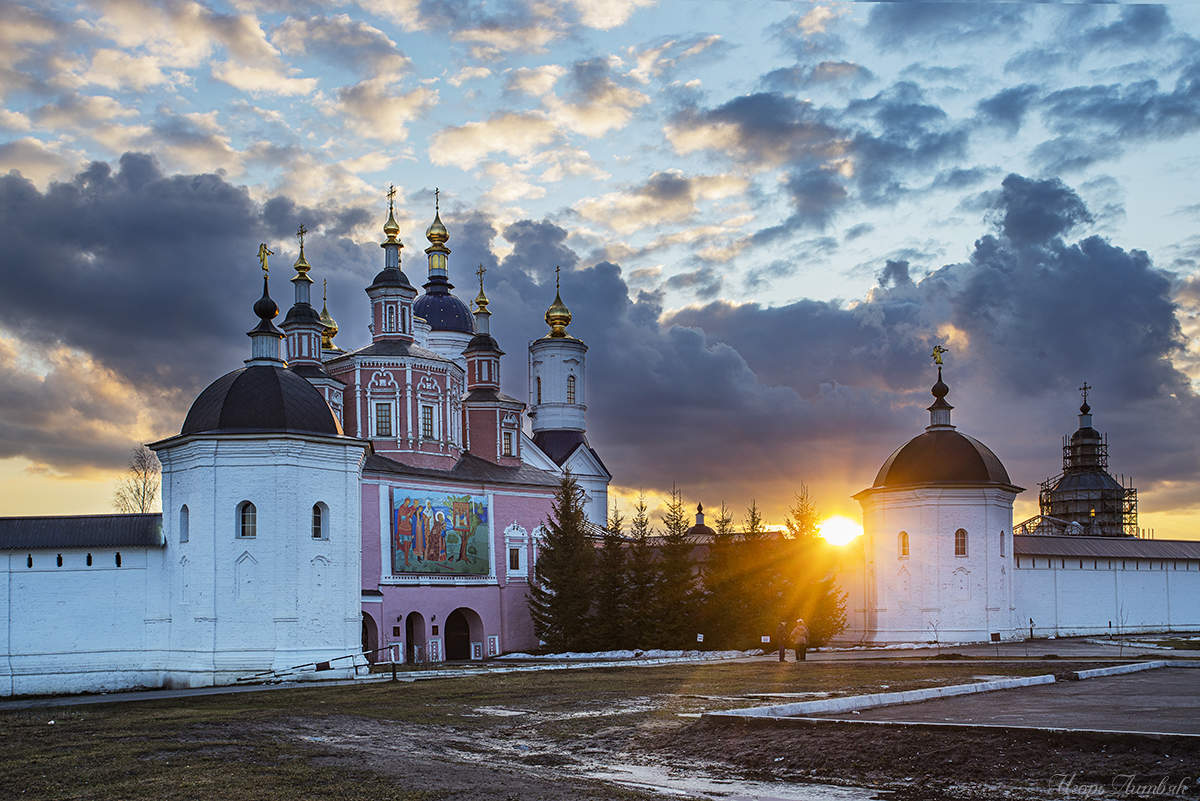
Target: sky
(766,216)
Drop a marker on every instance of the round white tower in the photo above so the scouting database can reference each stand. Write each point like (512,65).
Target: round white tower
(937,541)
(557,367)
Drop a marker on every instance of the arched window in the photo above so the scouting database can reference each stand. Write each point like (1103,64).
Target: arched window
(539,389)
(960,542)
(320,521)
(247,519)
(89,560)
(118,560)
(570,389)
(903,547)
(60,560)
(391,319)
(183,523)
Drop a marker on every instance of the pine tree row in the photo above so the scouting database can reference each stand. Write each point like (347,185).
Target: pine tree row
(638,587)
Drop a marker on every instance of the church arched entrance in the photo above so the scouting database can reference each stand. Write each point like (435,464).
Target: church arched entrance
(370,637)
(414,638)
(463,627)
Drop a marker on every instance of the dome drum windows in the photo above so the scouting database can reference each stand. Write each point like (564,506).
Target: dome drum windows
(960,542)
(570,389)
(902,545)
(184,523)
(247,520)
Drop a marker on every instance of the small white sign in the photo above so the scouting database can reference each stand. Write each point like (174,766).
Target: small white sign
(699,638)
(766,638)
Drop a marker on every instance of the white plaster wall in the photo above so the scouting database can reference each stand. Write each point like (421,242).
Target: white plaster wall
(933,593)
(1064,599)
(449,345)
(278,600)
(553,360)
(78,627)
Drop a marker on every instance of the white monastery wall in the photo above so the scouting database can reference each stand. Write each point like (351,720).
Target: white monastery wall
(1135,595)
(79,627)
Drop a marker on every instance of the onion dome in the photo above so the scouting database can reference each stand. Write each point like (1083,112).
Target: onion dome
(265,309)
(302,266)
(443,311)
(261,398)
(391,228)
(558,316)
(331,327)
(436,232)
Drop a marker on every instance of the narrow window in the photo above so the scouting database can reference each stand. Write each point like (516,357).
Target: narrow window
(118,558)
(247,519)
(508,442)
(183,523)
(391,319)
(29,560)
(89,560)
(1002,542)
(514,559)
(960,542)
(60,560)
(318,521)
(570,389)
(539,389)
(427,422)
(903,544)
(383,419)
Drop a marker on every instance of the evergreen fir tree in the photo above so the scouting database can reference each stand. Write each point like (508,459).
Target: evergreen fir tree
(642,579)
(611,622)
(561,594)
(677,623)
(723,613)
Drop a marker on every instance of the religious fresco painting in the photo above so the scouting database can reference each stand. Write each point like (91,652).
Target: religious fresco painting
(439,533)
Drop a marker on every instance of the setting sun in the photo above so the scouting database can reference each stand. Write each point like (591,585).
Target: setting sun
(839,530)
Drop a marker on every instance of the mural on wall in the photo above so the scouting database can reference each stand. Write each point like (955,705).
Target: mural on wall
(441,534)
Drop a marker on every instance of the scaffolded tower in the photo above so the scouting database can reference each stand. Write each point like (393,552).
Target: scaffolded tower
(1085,499)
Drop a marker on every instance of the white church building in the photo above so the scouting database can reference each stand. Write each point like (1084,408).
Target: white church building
(939,559)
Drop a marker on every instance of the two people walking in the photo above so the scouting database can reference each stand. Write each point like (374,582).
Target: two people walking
(797,637)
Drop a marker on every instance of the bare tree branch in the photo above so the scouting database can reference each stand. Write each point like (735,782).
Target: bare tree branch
(138,490)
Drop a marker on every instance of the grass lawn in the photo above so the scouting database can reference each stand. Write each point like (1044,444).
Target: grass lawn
(503,735)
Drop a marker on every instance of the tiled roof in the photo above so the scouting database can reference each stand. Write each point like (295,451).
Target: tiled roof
(82,531)
(469,469)
(1104,547)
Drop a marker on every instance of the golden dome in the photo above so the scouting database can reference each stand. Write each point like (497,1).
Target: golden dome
(436,232)
(331,326)
(391,228)
(302,266)
(558,317)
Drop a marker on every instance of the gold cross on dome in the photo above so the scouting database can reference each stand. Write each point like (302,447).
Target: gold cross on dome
(1084,389)
(480,273)
(437,201)
(557,269)
(324,289)
(263,252)
(300,232)
(391,194)
(938,350)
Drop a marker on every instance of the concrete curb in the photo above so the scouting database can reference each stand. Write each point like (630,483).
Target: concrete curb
(853,702)
(1117,670)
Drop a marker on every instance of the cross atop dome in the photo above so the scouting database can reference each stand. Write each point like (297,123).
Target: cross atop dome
(939,411)
(1085,409)
(558,316)
(302,266)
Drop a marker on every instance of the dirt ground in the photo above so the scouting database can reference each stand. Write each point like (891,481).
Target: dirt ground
(555,736)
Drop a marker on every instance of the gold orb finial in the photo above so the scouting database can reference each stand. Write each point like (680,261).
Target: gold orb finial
(558,316)
(391,228)
(302,266)
(481,300)
(436,233)
(331,326)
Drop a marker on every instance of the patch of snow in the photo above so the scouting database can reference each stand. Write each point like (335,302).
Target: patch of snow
(652,653)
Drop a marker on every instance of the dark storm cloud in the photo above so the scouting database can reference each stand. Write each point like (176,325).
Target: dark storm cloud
(1038,211)
(912,24)
(1065,154)
(1007,108)
(961,177)
(1137,26)
(151,275)
(894,273)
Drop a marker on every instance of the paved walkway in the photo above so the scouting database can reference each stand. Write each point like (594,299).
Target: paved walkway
(1074,649)
(1164,701)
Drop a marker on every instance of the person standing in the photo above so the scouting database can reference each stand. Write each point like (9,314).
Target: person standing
(799,640)
(781,633)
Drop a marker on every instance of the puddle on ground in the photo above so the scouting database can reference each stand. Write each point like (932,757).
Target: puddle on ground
(644,777)
(498,711)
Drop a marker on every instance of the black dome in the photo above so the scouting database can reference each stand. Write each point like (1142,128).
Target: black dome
(261,398)
(390,277)
(444,313)
(302,313)
(942,457)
